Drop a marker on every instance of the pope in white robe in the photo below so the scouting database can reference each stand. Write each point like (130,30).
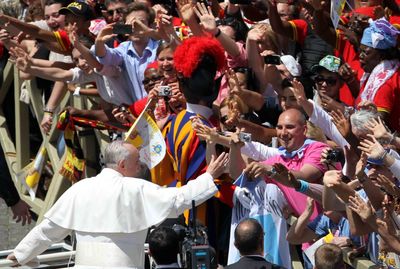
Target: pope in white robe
(111,212)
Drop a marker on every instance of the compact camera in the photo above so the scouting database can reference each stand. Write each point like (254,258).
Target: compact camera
(333,155)
(245,137)
(165,91)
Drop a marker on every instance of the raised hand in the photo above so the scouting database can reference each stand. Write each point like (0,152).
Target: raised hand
(217,165)
(207,19)
(359,206)
(280,173)
(388,185)
(122,115)
(257,169)
(106,33)
(367,105)
(185,8)
(298,90)
(379,129)
(332,178)
(341,122)
(372,148)
(360,166)
(204,132)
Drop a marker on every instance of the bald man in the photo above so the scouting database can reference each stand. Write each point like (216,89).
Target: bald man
(111,212)
(249,240)
(301,157)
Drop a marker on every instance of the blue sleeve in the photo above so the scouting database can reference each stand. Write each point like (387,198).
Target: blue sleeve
(114,56)
(345,231)
(320,225)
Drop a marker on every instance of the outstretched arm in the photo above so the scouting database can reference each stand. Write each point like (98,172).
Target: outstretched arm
(37,241)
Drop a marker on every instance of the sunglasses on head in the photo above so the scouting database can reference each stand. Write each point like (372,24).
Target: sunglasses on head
(329,81)
(118,10)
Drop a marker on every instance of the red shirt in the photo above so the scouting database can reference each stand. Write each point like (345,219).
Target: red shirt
(300,29)
(387,99)
(345,50)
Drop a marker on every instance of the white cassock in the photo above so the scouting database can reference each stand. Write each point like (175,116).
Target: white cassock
(110,215)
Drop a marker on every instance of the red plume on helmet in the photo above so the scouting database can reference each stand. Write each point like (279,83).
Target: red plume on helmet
(189,54)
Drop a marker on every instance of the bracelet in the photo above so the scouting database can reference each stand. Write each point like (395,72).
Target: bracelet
(218,33)
(77,91)
(48,110)
(304,186)
(48,113)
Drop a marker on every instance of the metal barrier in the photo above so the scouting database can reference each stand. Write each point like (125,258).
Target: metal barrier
(18,154)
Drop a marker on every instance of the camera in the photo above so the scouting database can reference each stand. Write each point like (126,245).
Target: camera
(272,59)
(195,251)
(245,137)
(122,29)
(165,91)
(334,155)
(122,109)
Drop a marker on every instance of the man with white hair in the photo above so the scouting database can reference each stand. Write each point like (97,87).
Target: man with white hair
(111,212)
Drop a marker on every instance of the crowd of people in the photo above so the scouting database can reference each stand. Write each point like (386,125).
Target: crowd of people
(270,109)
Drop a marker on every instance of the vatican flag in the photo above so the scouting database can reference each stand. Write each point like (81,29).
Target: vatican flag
(148,139)
(35,172)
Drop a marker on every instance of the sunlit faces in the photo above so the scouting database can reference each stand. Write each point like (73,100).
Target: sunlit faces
(53,19)
(166,62)
(224,115)
(139,15)
(151,77)
(115,12)
(80,62)
(287,100)
(328,83)
(242,79)
(291,129)
(369,58)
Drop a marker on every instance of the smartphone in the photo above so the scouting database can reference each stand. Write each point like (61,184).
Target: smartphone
(240,2)
(122,29)
(272,59)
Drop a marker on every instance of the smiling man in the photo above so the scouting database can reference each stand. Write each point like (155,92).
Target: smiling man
(300,155)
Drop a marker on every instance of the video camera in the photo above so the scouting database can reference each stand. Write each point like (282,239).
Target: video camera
(194,248)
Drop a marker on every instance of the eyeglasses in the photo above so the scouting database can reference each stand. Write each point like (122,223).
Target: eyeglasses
(151,79)
(329,81)
(118,10)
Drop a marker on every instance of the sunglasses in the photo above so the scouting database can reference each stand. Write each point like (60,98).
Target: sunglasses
(118,10)
(329,81)
(223,119)
(152,79)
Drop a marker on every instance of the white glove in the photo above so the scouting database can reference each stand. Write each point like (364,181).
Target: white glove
(243,196)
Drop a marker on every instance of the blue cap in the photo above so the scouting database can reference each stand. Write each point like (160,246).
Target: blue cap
(380,35)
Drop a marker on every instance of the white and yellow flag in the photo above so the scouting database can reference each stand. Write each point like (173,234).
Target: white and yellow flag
(337,7)
(148,139)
